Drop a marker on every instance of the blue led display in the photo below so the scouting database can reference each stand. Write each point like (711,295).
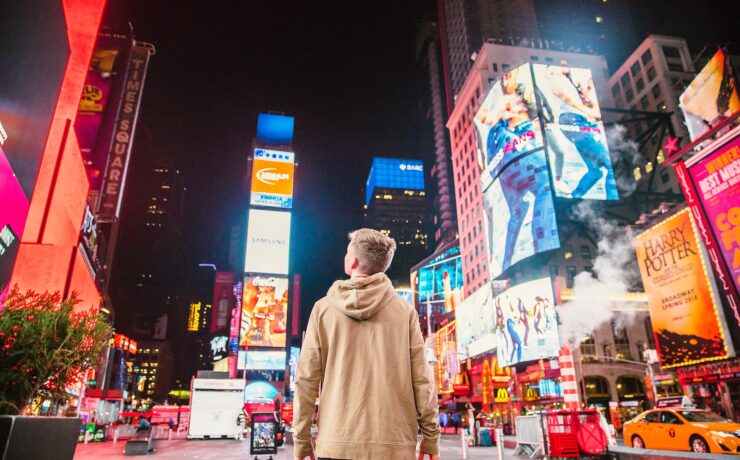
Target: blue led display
(398,173)
(275,129)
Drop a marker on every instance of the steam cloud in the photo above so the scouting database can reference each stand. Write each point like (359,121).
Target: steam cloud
(624,149)
(614,271)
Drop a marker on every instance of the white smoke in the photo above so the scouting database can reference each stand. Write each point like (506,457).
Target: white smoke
(613,274)
(624,149)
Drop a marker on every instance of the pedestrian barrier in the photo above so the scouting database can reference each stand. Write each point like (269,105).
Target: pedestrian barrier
(530,439)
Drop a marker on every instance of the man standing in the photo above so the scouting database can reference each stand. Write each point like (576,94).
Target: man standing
(364,349)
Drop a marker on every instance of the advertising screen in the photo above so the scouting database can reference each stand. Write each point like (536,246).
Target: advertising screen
(439,285)
(475,324)
(711,96)
(275,129)
(717,181)
(265,360)
(223,300)
(519,214)
(506,124)
(219,347)
(574,132)
(683,308)
(397,173)
(264,312)
(268,242)
(445,349)
(13,212)
(272,178)
(526,326)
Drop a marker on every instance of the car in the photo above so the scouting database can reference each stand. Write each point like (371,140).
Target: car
(682,428)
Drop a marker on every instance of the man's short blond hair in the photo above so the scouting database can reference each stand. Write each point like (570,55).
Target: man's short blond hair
(374,250)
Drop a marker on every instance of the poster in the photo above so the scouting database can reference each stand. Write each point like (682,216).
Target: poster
(519,213)
(710,97)
(264,313)
(717,180)
(683,308)
(575,134)
(445,350)
(263,439)
(438,283)
(476,326)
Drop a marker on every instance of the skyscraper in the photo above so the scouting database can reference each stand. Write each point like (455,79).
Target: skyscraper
(395,204)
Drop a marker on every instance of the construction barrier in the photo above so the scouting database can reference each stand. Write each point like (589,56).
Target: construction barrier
(530,438)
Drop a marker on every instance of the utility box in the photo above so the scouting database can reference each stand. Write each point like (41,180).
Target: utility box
(215,406)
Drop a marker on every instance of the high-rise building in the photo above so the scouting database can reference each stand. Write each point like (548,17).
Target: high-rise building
(395,204)
(651,80)
(466,24)
(494,60)
(153,366)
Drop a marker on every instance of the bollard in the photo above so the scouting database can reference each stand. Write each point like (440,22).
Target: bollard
(87,436)
(500,442)
(464,444)
(115,435)
(169,437)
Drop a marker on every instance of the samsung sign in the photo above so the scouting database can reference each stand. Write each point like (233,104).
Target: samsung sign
(268,242)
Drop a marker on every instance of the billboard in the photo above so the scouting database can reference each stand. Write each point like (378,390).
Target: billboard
(475,323)
(526,325)
(396,173)
(223,300)
(445,350)
(219,347)
(272,179)
(519,213)
(439,285)
(13,213)
(506,124)
(711,96)
(683,307)
(268,242)
(574,133)
(275,129)
(263,360)
(264,313)
(717,180)
(194,316)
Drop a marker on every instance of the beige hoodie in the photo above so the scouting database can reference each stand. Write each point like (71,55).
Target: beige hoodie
(364,348)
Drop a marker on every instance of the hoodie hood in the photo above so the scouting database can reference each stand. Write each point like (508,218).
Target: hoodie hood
(361,298)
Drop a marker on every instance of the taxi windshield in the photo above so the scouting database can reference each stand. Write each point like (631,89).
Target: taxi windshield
(702,416)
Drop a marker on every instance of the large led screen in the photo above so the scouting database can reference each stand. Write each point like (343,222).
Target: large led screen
(272,178)
(711,96)
(396,173)
(439,285)
(264,360)
(268,242)
(13,212)
(682,304)
(475,324)
(274,128)
(264,313)
(506,124)
(519,214)
(445,350)
(574,133)
(526,327)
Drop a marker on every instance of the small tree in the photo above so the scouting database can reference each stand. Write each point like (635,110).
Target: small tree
(45,347)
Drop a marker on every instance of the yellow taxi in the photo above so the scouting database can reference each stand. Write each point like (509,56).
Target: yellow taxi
(681,428)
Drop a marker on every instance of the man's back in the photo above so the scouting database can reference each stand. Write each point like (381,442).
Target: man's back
(364,344)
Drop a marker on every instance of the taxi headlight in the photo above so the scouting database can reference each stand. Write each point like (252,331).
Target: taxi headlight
(724,434)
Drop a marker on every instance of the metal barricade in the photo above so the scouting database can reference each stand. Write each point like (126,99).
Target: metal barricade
(530,439)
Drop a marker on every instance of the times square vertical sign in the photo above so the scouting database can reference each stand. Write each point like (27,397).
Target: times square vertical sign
(120,150)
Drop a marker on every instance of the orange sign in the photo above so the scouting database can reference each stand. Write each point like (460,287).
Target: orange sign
(683,307)
(272,178)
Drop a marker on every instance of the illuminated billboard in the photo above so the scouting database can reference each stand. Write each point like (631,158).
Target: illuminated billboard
(475,323)
(445,350)
(711,96)
(272,178)
(263,360)
(194,316)
(506,124)
(264,313)
(268,242)
(275,129)
(395,173)
(439,285)
(683,307)
(574,133)
(526,327)
(519,213)
(13,213)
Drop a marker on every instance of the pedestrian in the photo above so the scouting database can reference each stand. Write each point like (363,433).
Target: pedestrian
(364,349)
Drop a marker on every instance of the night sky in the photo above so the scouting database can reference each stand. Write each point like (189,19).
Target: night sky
(345,70)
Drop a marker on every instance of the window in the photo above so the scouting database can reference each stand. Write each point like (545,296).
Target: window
(629,95)
(505,67)
(571,275)
(662,107)
(615,89)
(586,251)
(625,80)
(670,417)
(495,67)
(635,69)
(649,333)
(588,350)
(567,251)
(671,52)
(644,102)
(651,73)
(639,84)
(655,90)
(621,342)
(664,177)
(675,67)
(534,58)
(652,417)
(646,57)
(649,167)
(554,271)
(549,60)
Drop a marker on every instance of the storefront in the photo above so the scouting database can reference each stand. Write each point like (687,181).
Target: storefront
(714,386)
(539,387)
(631,396)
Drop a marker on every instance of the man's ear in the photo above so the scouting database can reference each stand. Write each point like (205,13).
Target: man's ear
(355,262)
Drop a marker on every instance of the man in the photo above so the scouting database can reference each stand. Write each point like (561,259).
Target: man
(364,349)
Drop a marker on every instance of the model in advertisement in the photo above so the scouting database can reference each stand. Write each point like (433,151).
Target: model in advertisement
(570,107)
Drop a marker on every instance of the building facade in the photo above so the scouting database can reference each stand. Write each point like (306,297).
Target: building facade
(153,367)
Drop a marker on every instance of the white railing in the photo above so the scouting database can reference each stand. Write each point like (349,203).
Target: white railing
(530,438)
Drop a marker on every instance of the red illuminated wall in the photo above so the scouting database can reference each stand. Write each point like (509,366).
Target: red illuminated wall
(48,259)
